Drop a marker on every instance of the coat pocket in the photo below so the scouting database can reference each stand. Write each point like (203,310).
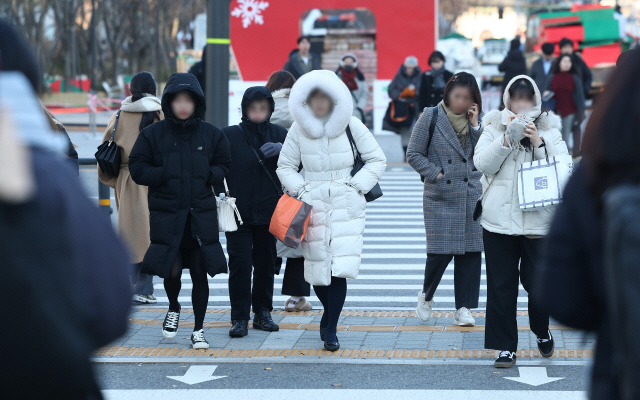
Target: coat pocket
(163,202)
(356,203)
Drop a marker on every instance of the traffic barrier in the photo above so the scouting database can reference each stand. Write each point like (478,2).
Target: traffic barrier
(104,191)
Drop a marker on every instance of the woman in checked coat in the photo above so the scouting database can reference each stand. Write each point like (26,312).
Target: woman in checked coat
(451,189)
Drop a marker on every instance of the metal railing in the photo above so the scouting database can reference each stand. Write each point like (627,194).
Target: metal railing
(104,191)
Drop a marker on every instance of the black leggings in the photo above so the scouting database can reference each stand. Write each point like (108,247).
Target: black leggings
(191,259)
(332,298)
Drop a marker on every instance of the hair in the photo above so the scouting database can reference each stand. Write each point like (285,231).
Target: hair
(611,138)
(436,55)
(280,80)
(548,48)
(143,83)
(463,79)
(522,88)
(566,42)
(53,121)
(16,54)
(301,38)
(515,43)
(555,68)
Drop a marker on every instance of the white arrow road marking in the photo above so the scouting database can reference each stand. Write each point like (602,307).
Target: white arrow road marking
(534,376)
(198,374)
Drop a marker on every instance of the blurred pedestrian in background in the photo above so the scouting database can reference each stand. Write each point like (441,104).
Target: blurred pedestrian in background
(406,86)
(137,111)
(432,82)
(60,256)
(541,68)
(512,237)
(57,127)
(565,86)
(451,190)
(199,69)
(581,247)
(302,60)
(513,64)
(351,76)
(180,159)
(255,148)
(293,283)
(321,106)
(583,71)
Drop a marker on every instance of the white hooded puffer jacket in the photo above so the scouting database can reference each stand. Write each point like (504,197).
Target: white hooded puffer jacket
(333,242)
(501,208)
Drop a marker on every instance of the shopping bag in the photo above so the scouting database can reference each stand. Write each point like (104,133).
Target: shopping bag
(290,220)
(226,209)
(541,182)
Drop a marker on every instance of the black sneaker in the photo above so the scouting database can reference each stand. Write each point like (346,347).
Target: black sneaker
(239,328)
(546,345)
(170,324)
(198,341)
(506,359)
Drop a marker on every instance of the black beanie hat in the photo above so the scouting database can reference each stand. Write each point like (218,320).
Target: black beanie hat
(141,83)
(547,48)
(16,54)
(565,42)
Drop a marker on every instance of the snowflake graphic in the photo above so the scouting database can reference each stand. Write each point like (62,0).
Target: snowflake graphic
(250,11)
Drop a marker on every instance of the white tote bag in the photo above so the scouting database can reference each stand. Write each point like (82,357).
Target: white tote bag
(226,210)
(541,182)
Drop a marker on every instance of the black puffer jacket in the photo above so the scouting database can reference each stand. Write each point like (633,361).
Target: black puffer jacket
(180,163)
(513,65)
(256,196)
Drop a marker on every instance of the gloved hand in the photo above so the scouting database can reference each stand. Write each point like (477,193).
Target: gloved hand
(271,149)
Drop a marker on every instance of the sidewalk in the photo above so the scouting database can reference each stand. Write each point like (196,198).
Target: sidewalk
(362,334)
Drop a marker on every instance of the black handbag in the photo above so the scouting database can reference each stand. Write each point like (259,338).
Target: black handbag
(399,114)
(108,154)
(376,191)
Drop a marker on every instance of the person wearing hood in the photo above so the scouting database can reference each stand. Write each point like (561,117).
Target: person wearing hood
(513,64)
(433,82)
(512,238)
(199,69)
(280,84)
(302,60)
(351,76)
(406,86)
(137,111)
(180,159)
(321,106)
(255,148)
(452,187)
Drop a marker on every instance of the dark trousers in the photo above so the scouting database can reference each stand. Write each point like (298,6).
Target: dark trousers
(503,254)
(293,283)
(251,246)
(466,276)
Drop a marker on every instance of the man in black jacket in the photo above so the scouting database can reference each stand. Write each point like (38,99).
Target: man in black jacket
(255,147)
(301,60)
(566,47)
(542,66)
(513,64)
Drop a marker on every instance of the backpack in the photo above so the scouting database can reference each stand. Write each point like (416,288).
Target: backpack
(622,283)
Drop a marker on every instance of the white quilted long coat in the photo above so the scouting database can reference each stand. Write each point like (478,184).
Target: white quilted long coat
(333,242)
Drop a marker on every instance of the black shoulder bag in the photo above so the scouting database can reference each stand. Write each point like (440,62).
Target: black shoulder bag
(358,163)
(261,162)
(432,128)
(108,154)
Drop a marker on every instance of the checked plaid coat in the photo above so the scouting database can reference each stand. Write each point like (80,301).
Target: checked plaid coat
(448,201)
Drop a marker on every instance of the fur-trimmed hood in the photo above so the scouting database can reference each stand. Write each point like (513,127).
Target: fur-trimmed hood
(329,83)
(146,104)
(281,93)
(546,121)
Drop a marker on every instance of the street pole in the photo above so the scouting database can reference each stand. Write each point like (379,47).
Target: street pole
(217,61)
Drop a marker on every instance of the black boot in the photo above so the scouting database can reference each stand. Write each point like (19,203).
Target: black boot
(332,346)
(239,329)
(262,321)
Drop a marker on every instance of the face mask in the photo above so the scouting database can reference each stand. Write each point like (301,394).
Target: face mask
(348,68)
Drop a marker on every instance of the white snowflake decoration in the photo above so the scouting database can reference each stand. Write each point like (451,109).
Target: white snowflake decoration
(250,11)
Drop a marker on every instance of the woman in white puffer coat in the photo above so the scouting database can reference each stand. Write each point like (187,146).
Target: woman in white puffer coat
(321,106)
(520,133)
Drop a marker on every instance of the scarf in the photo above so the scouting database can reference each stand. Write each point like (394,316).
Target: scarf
(459,122)
(515,134)
(438,78)
(146,104)
(349,78)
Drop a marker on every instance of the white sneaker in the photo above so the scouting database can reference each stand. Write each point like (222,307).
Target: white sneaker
(463,317)
(198,341)
(423,310)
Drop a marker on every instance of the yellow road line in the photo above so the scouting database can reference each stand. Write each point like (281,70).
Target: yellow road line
(120,351)
(352,313)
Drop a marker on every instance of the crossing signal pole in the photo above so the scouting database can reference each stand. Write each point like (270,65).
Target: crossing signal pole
(217,61)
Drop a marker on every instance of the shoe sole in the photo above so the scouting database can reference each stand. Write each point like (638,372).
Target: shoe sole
(422,319)
(332,350)
(200,346)
(458,323)
(169,335)
(144,301)
(238,335)
(261,328)
(504,364)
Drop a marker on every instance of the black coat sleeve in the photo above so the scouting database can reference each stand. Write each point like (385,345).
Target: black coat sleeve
(221,161)
(587,77)
(423,93)
(141,167)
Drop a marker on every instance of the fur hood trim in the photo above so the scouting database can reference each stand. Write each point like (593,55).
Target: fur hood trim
(281,93)
(546,121)
(145,104)
(329,83)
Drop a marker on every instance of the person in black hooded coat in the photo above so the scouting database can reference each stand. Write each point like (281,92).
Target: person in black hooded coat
(513,64)
(180,159)
(256,193)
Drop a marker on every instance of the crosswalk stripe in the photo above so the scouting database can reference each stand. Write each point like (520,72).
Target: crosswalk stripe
(353,299)
(351,287)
